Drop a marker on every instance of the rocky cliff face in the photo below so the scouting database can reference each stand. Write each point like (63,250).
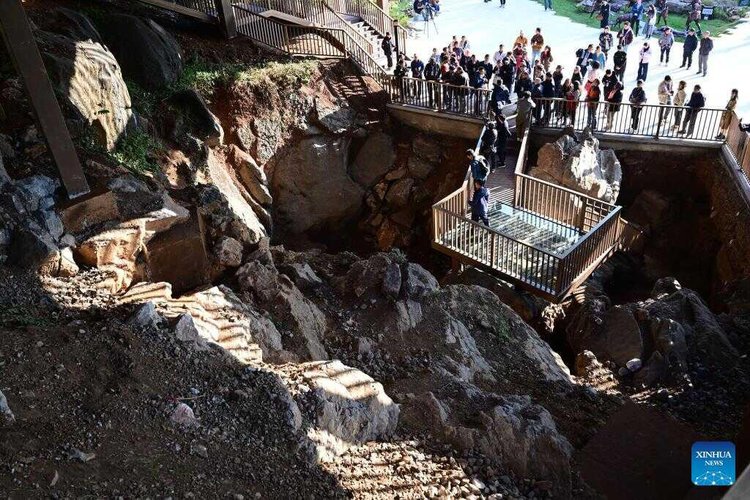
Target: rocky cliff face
(579,164)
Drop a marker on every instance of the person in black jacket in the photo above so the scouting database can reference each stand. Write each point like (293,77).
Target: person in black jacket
(620,60)
(688,47)
(500,96)
(637,100)
(503,134)
(613,97)
(694,105)
(507,73)
(400,72)
(604,11)
(523,84)
(548,92)
(432,75)
(387,46)
(488,143)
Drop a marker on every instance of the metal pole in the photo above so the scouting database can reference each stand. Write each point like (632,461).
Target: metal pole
(19,39)
(395,37)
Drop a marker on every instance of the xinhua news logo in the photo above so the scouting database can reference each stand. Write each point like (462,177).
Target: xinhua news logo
(713,463)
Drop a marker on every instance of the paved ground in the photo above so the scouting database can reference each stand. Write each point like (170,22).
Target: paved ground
(487,25)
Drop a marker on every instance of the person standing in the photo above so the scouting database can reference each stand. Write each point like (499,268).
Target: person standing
(548,92)
(688,47)
(500,96)
(665,45)
(605,10)
(704,49)
(487,144)
(571,102)
(679,102)
(479,202)
(523,84)
(507,73)
(592,103)
(726,116)
(500,54)
(663,12)
(537,43)
(521,40)
(636,11)
(546,58)
(613,98)
(417,70)
(478,166)
(547,5)
(620,60)
(664,95)
(645,57)
(637,100)
(605,41)
(400,72)
(523,118)
(432,75)
(625,36)
(650,21)
(694,16)
(695,104)
(387,46)
(599,57)
(503,134)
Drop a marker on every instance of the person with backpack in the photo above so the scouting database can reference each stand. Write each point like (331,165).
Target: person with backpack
(387,46)
(487,144)
(637,100)
(479,202)
(704,49)
(503,134)
(695,104)
(665,45)
(613,98)
(688,47)
(478,166)
(605,41)
(625,36)
(620,60)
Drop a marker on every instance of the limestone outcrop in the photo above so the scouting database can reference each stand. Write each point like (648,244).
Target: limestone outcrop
(580,164)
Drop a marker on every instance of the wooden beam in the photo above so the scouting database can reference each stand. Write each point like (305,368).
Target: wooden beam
(226,18)
(185,11)
(19,39)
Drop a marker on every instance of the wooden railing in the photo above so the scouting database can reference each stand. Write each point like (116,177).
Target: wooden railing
(550,274)
(204,10)
(738,143)
(439,96)
(648,120)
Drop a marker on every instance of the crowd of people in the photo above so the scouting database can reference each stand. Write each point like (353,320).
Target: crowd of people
(527,73)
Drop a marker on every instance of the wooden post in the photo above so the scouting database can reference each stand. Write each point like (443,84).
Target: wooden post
(226,18)
(19,39)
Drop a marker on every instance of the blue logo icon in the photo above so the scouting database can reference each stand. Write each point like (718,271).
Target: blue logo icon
(713,463)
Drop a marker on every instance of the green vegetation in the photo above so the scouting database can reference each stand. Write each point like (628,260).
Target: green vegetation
(570,9)
(397,11)
(16,316)
(137,151)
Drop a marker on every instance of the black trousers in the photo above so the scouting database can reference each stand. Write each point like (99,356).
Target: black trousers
(687,58)
(389,58)
(664,51)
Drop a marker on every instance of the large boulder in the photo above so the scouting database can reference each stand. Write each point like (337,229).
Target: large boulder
(344,407)
(312,189)
(191,118)
(87,78)
(581,166)
(148,54)
(374,159)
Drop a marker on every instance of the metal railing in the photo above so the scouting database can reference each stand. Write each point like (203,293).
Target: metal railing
(648,120)
(201,9)
(551,274)
(314,41)
(372,15)
(439,96)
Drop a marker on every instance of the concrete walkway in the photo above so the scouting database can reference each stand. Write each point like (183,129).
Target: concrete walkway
(486,25)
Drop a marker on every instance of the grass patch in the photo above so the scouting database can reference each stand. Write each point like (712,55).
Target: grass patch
(21,317)
(718,25)
(136,151)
